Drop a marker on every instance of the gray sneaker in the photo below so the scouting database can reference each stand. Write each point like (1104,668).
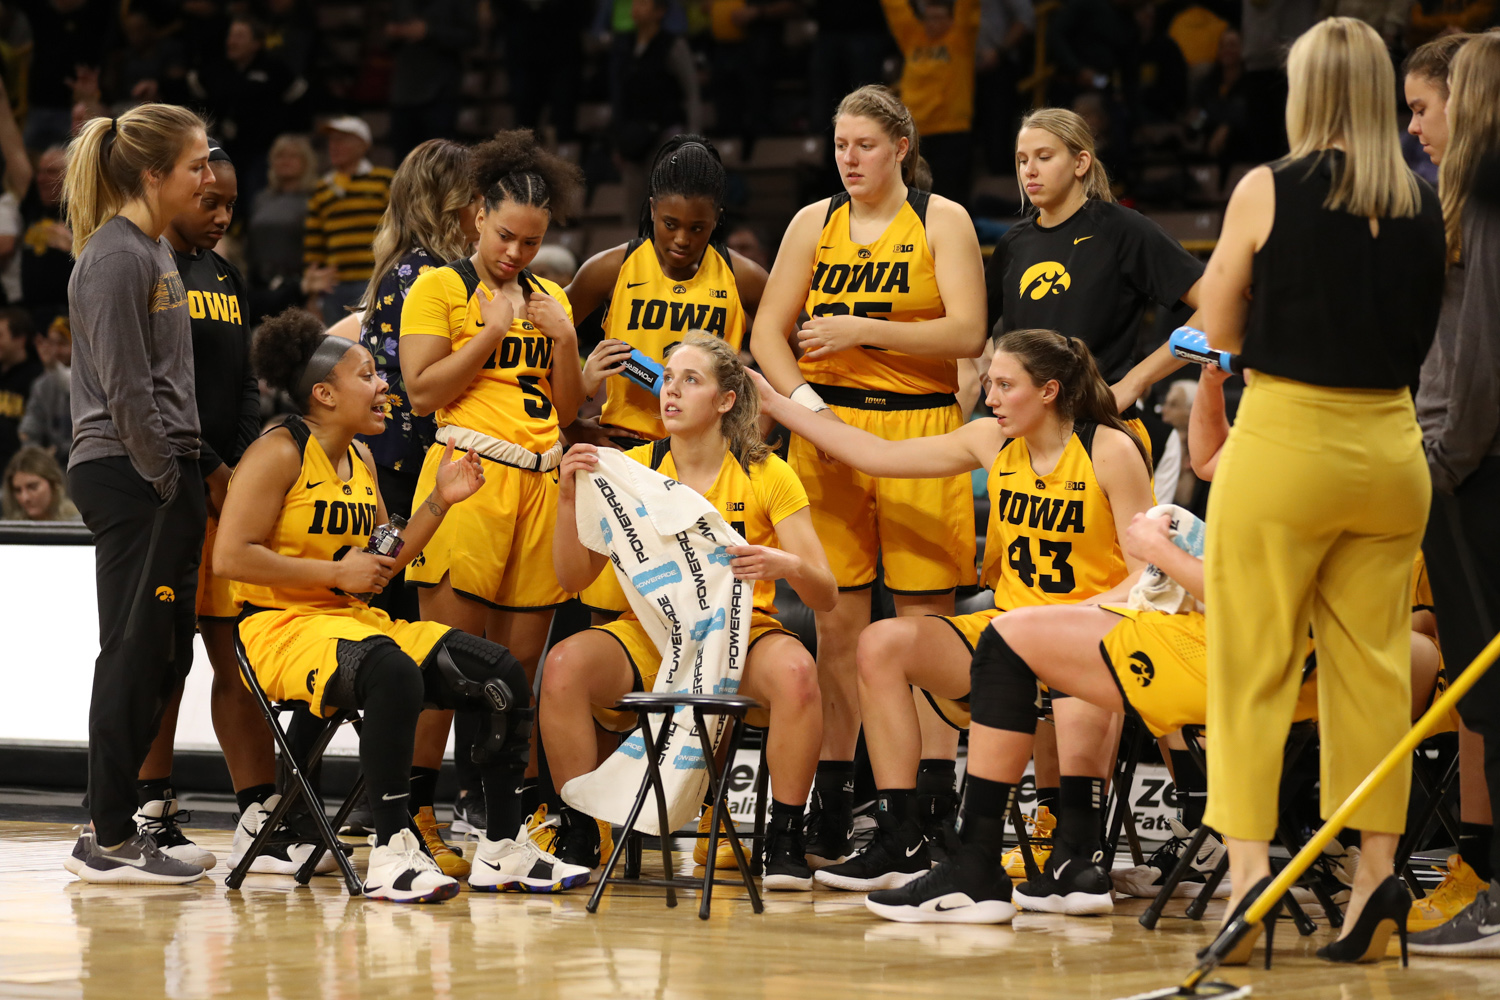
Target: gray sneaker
(74,862)
(1473,933)
(137,861)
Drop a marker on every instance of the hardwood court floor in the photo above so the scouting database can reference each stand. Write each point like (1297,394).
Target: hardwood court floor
(63,938)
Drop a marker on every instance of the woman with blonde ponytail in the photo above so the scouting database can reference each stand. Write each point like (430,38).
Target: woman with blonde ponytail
(711,414)
(1458,407)
(133,469)
(1065,479)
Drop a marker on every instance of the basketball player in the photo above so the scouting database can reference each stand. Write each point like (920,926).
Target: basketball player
(492,351)
(1065,478)
(296,522)
(710,410)
(892,279)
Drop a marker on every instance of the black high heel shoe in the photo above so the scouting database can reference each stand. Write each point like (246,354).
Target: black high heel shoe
(1366,941)
(1242,949)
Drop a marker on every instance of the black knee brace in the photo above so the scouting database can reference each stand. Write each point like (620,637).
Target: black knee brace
(478,675)
(1002,693)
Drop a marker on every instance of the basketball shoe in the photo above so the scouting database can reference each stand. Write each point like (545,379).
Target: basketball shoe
(1039,828)
(401,871)
(138,861)
(1459,888)
(284,853)
(577,839)
(1473,933)
(160,818)
(449,860)
(724,856)
(829,827)
(469,813)
(1075,886)
(786,867)
(519,865)
(898,854)
(968,888)
(1145,881)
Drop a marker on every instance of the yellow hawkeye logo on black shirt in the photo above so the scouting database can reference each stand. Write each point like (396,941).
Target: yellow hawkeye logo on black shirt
(1048,277)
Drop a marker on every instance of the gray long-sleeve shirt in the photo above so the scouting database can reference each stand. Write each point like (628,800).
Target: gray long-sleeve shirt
(132,384)
(1458,400)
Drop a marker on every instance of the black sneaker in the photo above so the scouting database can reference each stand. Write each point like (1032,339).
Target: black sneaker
(897,855)
(937,814)
(1474,933)
(829,828)
(786,860)
(577,840)
(969,888)
(469,814)
(137,861)
(1069,885)
(360,822)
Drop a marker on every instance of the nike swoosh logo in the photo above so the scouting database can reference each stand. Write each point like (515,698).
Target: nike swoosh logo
(320,482)
(1005,473)
(940,908)
(1081,239)
(825,248)
(223,276)
(1489,929)
(392,798)
(634,284)
(132,862)
(1057,873)
(913,850)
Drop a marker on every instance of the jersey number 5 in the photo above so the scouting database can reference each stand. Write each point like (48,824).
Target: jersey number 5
(537,404)
(1061,580)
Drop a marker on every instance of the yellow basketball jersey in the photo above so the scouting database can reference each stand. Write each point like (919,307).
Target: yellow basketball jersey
(752,502)
(322,516)
(650,312)
(1051,538)
(892,278)
(511,397)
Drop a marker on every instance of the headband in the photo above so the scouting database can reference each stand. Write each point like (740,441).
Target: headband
(330,351)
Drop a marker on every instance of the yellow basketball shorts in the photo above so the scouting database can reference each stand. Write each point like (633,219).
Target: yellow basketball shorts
(496,546)
(1159,661)
(605,596)
(922,530)
(294,653)
(645,658)
(214,597)
(955,711)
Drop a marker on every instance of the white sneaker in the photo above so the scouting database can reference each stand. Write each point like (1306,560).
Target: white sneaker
(521,866)
(283,855)
(400,871)
(160,819)
(1334,870)
(1145,881)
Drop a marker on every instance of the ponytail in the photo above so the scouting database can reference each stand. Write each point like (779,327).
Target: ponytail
(1082,393)
(741,425)
(1072,131)
(110,157)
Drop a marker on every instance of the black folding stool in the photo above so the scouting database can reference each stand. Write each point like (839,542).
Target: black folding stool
(665,704)
(301,785)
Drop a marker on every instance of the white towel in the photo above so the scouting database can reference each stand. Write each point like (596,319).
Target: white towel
(667,544)
(1155,590)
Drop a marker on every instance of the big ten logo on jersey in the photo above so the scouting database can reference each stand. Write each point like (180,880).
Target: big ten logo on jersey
(214,305)
(336,517)
(654,314)
(1047,278)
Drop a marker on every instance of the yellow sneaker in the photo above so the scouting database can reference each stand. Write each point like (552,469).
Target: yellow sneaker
(724,856)
(1457,890)
(1039,827)
(450,861)
(537,820)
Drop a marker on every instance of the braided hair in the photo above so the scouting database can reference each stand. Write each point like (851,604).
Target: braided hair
(513,166)
(687,165)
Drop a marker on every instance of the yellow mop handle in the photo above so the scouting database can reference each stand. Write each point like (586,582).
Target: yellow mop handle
(1398,757)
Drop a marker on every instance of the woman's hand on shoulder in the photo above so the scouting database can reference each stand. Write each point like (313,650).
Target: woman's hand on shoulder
(457,481)
(579,458)
(497,314)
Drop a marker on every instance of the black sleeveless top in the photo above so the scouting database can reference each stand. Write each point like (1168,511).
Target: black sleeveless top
(1333,305)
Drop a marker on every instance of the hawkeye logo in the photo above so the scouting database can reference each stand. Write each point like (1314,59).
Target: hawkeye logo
(1143,668)
(1046,278)
(864,253)
(165,595)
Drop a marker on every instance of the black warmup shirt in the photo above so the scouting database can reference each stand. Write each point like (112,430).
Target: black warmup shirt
(1089,277)
(1334,305)
(227,394)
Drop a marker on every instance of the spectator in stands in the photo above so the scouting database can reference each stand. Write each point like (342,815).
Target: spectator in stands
(341,218)
(654,95)
(48,420)
(68,36)
(847,53)
(18,174)
(745,239)
(1089,42)
(47,243)
(1176,410)
(1268,28)
(149,66)
(747,36)
(1432,18)
(278,219)
(292,35)
(1003,60)
(34,489)
(246,93)
(555,263)
(544,53)
(1156,84)
(937,85)
(429,38)
(18,371)
(1388,17)
(1220,112)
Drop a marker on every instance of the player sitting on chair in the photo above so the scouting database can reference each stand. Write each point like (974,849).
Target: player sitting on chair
(1065,478)
(298,516)
(711,412)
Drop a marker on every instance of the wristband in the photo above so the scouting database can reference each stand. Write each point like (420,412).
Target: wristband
(807,396)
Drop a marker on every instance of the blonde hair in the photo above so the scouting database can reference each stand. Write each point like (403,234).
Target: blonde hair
(1341,82)
(1473,128)
(430,188)
(300,145)
(1073,132)
(36,462)
(110,157)
(882,106)
(741,425)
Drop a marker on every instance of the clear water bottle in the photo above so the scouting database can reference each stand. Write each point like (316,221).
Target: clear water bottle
(385,540)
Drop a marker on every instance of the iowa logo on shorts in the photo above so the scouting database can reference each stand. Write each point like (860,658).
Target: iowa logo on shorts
(1143,668)
(1047,278)
(166,595)
(312,675)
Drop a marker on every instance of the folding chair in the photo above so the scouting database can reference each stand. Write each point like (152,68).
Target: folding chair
(1435,797)
(301,785)
(665,704)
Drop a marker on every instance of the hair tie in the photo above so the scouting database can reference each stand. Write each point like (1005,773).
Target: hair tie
(114,125)
(329,352)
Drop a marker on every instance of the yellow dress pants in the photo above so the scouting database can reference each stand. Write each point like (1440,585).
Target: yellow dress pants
(1315,518)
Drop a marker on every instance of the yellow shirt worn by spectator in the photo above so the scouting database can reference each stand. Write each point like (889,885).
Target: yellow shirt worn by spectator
(341,218)
(937,82)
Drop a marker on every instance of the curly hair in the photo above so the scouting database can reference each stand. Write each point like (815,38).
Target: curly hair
(514,166)
(282,345)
